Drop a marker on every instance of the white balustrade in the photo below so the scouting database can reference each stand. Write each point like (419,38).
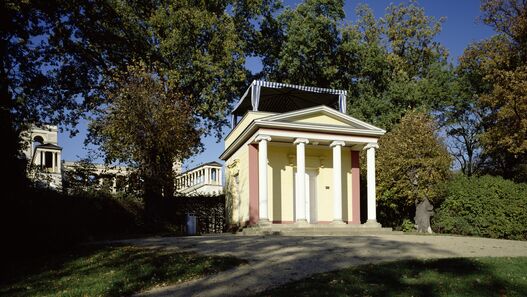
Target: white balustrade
(201,176)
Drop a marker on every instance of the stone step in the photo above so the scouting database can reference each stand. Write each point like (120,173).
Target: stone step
(316,230)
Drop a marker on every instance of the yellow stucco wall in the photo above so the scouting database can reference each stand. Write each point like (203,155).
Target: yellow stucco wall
(238,194)
(244,122)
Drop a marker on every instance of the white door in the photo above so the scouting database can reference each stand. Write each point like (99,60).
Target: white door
(310,205)
(311,197)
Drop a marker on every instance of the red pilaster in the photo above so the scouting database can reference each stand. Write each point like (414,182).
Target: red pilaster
(253,184)
(355,188)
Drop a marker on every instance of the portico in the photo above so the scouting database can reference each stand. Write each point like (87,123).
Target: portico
(321,182)
(299,167)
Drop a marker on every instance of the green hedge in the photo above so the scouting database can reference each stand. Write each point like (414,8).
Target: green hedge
(41,220)
(483,206)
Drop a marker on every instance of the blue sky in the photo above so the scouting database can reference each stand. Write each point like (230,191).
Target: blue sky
(460,29)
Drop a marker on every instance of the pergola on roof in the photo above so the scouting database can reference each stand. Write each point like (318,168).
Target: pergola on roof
(280,97)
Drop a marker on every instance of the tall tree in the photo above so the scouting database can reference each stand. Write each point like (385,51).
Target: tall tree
(309,43)
(461,120)
(496,70)
(388,65)
(420,74)
(200,70)
(148,125)
(201,48)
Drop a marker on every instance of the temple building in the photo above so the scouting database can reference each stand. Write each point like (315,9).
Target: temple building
(292,157)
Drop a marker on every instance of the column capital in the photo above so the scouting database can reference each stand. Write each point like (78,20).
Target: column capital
(337,143)
(262,137)
(371,145)
(301,140)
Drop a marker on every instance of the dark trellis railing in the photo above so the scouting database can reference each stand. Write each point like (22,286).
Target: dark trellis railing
(209,212)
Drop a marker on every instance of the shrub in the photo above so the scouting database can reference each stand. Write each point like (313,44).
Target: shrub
(412,162)
(407,225)
(483,206)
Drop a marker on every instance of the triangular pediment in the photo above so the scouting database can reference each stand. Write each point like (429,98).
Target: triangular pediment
(322,116)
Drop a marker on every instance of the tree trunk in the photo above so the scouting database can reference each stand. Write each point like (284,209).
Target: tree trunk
(152,197)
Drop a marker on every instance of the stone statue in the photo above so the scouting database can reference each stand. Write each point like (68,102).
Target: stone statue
(423,211)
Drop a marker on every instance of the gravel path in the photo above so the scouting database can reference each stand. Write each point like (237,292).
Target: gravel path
(276,260)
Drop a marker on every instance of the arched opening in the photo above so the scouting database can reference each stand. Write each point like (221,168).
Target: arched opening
(37,140)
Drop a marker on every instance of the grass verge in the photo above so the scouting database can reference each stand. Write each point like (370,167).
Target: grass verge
(440,277)
(106,271)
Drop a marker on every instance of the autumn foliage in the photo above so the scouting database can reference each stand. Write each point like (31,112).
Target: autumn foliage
(412,163)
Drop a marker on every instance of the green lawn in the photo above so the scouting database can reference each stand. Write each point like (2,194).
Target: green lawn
(105,271)
(445,277)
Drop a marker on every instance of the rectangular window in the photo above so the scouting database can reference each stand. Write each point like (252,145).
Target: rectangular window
(48,158)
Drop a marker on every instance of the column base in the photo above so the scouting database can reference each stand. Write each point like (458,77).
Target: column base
(301,222)
(338,222)
(264,223)
(372,224)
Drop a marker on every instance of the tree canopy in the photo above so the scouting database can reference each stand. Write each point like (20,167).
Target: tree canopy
(496,72)
(58,57)
(149,125)
(387,65)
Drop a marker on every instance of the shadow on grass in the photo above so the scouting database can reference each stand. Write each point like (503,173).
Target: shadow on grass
(441,277)
(106,271)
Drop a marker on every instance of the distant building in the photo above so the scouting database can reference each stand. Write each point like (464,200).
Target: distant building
(44,155)
(45,165)
(206,179)
(111,178)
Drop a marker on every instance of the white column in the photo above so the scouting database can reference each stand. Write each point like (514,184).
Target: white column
(114,184)
(337,180)
(220,174)
(301,179)
(206,181)
(370,177)
(262,177)
(52,162)
(59,159)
